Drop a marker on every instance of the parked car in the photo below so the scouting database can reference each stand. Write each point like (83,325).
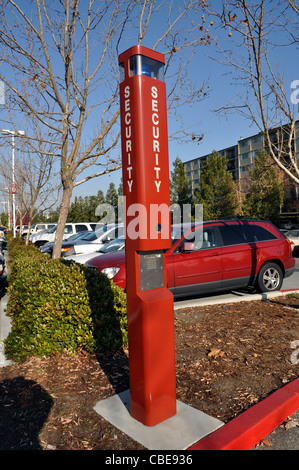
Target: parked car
(18,228)
(3,242)
(113,245)
(226,255)
(287,225)
(93,241)
(293,237)
(35,228)
(3,229)
(3,274)
(48,247)
(46,236)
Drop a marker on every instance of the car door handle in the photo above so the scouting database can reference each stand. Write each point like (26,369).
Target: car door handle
(214,254)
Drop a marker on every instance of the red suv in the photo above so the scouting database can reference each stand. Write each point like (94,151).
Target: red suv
(225,255)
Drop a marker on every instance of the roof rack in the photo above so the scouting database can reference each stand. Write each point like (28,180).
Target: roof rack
(238,217)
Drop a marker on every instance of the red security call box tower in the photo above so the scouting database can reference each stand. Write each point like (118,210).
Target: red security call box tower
(145,170)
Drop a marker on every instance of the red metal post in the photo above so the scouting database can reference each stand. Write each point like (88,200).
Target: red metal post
(145,170)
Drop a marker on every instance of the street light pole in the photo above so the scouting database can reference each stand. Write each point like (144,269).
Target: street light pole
(13,182)
(13,133)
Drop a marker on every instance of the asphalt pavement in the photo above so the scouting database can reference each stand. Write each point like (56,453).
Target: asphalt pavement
(284,436)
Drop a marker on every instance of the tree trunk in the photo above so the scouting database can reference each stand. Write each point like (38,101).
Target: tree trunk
(64,207)
(29,225)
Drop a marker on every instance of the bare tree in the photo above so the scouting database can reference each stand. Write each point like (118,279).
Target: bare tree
(66,50)
(294,4)
(36,173)
(254,29)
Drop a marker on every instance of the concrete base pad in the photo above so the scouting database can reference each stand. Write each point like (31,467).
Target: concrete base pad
(179,432)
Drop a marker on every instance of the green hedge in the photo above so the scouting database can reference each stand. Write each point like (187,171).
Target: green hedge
(58,306)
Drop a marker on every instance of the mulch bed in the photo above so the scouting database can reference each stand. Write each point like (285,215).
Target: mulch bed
(228,357)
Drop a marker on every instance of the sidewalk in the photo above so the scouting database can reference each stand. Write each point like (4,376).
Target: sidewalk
(232,297)
(4,330)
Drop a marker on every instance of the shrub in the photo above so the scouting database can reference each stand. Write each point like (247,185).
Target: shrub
(56,306)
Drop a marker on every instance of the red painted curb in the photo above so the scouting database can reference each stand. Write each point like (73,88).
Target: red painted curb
(289,290)
(250,427)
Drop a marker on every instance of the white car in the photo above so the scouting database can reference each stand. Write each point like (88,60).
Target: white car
(35,236)
(287,226)
(114,245)
(93,241)
(36,228)
(46,236)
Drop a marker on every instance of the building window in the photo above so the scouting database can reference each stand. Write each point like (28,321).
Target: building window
(256,139)
(244,143)
(244,168)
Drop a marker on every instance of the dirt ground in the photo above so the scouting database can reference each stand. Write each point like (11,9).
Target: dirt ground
(228,357)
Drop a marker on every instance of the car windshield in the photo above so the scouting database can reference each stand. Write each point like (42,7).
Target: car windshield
(101,231)
(79,235)
(89,236)
(113,245)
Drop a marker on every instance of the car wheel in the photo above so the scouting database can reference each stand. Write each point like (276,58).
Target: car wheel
(269,278)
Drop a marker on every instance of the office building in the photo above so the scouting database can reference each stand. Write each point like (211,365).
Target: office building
(241,158)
